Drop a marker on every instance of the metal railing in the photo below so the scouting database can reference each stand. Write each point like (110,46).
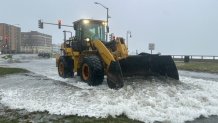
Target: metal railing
(195,57)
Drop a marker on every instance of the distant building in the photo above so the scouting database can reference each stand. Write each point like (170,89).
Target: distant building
(35,42)
(10,38)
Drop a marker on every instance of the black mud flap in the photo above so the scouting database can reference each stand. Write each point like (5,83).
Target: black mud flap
(149,65)
(115,76)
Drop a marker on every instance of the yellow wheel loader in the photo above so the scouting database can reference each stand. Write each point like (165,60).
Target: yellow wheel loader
(88,54)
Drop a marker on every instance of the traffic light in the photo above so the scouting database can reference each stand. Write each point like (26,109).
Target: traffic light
(59,24)
(40,24)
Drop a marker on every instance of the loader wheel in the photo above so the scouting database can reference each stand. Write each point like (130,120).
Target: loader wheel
(65,67)
(61,69)
(92,70)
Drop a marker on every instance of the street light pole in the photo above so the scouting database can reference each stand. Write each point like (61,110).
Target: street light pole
(107,24)
(107,17)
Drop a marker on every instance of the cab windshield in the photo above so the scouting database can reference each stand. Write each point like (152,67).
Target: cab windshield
(94,31)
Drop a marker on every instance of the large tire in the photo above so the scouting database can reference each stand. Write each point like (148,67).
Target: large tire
(65,67)
(92,71)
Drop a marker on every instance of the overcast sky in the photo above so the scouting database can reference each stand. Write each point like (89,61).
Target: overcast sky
(175,26)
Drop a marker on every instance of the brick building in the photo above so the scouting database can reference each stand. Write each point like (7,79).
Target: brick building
(35,42)
(10,38)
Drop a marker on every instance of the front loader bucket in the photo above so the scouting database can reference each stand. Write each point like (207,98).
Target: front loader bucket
(149,65)
(114,75)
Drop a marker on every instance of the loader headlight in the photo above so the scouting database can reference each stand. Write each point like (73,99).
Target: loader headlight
(86,21)
(87,39)
(104,23)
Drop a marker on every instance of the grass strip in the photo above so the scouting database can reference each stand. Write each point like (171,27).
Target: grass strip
(5,71)
(119,119)
(210,67)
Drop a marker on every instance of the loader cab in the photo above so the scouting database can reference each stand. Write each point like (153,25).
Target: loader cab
(88,29)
